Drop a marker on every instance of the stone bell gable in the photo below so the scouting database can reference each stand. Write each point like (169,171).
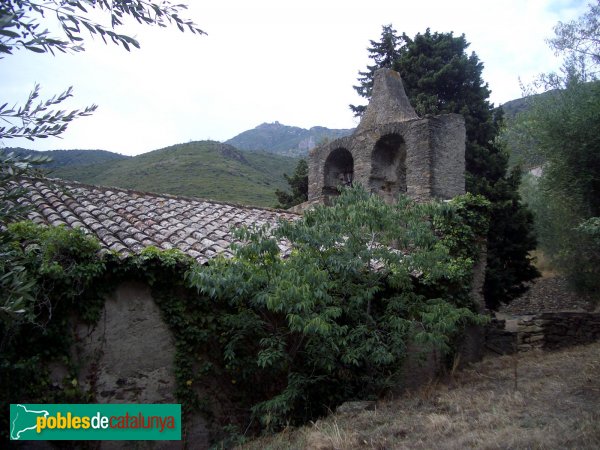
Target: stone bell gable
(393,151)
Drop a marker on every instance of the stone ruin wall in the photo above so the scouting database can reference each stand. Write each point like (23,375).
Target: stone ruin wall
(393,152)
(421,158)
(548,331)
(128,357)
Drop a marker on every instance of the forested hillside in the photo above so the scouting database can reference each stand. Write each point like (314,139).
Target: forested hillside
(220,171)
(205,169)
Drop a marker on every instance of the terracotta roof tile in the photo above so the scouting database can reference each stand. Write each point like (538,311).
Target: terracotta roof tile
(127,221)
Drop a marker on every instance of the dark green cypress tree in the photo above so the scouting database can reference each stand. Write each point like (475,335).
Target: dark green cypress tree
(384,53)
(440,77)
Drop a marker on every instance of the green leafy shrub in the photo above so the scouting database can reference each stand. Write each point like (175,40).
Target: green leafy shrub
(330,319)
(582,256)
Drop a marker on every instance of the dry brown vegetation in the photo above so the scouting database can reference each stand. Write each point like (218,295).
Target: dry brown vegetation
(545,400)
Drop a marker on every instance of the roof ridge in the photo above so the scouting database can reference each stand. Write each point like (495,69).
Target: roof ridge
(157,194)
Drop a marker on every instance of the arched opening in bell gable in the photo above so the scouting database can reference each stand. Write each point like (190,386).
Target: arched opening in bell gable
(339,171)
(388,167)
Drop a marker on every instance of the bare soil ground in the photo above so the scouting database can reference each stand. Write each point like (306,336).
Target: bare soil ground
(548,294)
(537,400)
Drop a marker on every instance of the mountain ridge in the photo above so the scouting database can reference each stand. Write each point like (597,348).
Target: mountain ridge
(274,137)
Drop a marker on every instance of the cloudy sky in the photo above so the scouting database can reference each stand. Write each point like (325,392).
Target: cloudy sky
(266,60)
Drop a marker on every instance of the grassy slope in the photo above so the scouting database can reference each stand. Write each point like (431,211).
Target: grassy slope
(547,400)
(203,169)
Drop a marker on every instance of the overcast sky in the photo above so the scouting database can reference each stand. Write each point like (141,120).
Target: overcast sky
(267,60)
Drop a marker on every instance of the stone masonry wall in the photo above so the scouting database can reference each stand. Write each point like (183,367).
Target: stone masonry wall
(551,330)
(558,329)
(432,157)
(128,357)
(448,136)
(393,152)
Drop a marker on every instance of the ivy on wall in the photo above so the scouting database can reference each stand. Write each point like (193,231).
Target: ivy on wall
(58,271)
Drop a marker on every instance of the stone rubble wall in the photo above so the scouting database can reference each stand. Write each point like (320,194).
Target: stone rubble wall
(548,331)
(558,330)
(128,357)
(393,152)
(433,158)
(448,136)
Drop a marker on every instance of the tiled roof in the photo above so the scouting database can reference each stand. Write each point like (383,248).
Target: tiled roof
(126,221)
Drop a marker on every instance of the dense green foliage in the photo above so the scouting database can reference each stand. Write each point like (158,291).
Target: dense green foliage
(562,129)
(298,183)
(283,139)
(15,285)
(333,319)
(204,169)
(440,77)
(51,273)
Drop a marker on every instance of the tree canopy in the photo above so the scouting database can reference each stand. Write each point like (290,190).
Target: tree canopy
(578,41)
(384,54)
(562,129)
(333,319)
(439,76)
(20,22)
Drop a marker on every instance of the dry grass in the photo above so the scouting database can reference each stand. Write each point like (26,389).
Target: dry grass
(552,403)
